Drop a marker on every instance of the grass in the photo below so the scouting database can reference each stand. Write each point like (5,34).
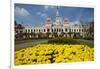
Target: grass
(18,41)
(56,41)
(86,43)
(69,41)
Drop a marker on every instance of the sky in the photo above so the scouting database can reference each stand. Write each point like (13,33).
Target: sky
(31,14)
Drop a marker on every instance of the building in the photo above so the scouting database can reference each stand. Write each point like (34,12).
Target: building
(58,28)
(18,30)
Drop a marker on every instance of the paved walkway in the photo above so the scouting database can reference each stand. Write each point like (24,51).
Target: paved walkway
(27,44)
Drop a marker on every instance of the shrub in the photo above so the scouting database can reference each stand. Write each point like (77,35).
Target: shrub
(60,40)
(89,38)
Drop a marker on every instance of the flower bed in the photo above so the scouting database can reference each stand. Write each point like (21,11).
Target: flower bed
(53,53)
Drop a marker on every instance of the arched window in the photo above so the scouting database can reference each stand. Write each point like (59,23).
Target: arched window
(44,30)
(82,30)
(31,30)
(66,29)
(34,30)
(79,30)
(59,30)
(69,30)
(28,30)
(48,30)
(62,30)
(39,30)
(52,30)
(74,30)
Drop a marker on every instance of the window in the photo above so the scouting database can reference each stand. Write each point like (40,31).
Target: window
(82,30)
(59,30)
(31,30)
(34,30)
(28,30)
(52,30)
(66,30)
(39,30)
(48,30)
(21,31)
(16,31)
(62,30)
(74,30)
(69,30)
(79,30)
(44,30)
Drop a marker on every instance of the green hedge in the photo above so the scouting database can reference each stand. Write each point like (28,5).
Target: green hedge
(88,38)
(63,41)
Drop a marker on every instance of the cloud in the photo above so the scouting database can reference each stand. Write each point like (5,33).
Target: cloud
(46,8)
(42,14)
(90,19)
(38,13)
(21,12)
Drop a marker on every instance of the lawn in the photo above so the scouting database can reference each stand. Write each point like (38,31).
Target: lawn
(18,41)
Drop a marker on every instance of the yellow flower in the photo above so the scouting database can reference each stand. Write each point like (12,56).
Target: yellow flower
(53,53)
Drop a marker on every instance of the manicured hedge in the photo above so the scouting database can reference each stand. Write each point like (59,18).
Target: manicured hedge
(60,40)
(89,38)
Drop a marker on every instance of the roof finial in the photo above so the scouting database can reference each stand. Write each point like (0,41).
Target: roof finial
(57,13)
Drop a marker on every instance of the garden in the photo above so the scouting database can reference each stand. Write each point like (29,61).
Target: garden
(56,50)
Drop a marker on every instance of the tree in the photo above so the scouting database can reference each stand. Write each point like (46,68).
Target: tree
(48,34)
(62,34)
(40,34)
(15,22)
(70,34)
(76,35)
(55,34)
(91,29)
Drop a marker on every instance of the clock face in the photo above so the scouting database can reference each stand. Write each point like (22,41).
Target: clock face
(58,21)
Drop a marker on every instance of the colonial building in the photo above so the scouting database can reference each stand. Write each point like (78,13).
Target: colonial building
(56,28)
